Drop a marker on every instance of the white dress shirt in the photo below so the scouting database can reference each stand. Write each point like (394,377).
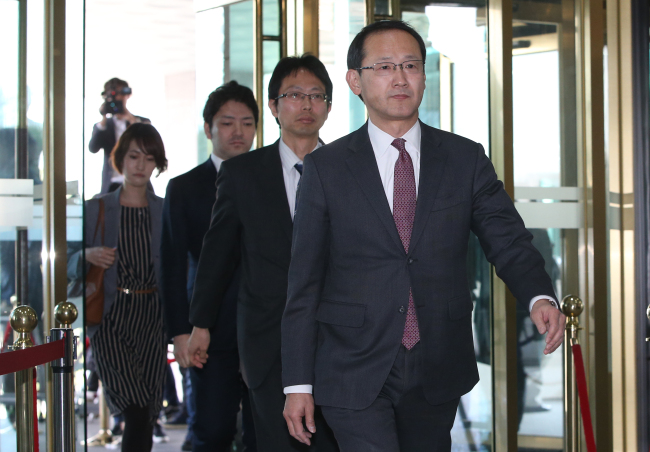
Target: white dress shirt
(386,155)
(216,161)
(290,173)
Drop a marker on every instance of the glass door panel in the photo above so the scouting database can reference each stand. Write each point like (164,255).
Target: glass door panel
(231,56)
(338,23)
(456,100)
(548,196)
(8,125)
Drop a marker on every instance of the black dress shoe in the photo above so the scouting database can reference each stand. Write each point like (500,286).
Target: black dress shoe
(187,445)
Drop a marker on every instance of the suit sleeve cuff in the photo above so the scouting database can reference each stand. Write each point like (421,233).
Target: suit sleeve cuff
(543,297)
(302,389)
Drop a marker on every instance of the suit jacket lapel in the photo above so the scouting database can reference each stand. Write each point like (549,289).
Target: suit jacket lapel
(432,166)
(363,166)
(272,179)
(209,177)
(155,211)
(112,217)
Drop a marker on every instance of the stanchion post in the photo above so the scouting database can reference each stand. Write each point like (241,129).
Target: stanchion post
(572,307)
(23,322)
(63,378)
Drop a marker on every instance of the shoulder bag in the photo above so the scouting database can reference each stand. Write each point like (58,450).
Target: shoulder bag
(95,280)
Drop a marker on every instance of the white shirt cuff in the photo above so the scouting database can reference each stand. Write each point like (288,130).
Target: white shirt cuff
(302,389)
(543,297)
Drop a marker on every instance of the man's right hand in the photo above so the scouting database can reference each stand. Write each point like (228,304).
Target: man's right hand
(297,407)
(197,347)
(181,350)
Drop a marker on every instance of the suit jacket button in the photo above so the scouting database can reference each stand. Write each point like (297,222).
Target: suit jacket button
(410,260)
(402,310)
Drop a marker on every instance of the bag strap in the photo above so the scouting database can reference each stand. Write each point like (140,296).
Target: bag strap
(100,221)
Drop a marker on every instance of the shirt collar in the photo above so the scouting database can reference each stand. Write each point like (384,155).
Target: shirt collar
(288,157)
(119,121)
(381,141)
(216,161)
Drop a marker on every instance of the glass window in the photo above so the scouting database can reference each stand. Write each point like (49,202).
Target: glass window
(8,125)
(456,100)
(271,53)
(348,112)
(222,57)
(271,18)
(211,68)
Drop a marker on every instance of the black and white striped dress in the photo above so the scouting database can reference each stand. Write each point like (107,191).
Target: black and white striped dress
(130,346)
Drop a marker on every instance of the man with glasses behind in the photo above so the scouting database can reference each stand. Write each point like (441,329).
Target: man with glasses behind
(379,316)
(252,223)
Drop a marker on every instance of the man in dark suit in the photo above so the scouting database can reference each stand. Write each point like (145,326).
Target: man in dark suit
(217,389)
(252,223)
(115,119)
(378,317)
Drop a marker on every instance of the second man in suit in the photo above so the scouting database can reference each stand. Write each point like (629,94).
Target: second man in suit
(217,389)
(252,223)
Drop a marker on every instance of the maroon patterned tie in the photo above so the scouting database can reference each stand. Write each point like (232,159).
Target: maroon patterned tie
(404,201)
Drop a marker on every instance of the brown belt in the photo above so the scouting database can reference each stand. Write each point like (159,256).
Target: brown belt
(143,291)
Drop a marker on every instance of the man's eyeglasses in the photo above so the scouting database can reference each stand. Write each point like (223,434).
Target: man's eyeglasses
(299,97)
(387,68)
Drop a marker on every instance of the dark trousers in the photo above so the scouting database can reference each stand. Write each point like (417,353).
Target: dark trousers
(217,392)
(138,429)
(267,401)
(400,419)
(169,388)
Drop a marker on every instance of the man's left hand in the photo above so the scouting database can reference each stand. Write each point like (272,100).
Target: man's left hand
(548,319)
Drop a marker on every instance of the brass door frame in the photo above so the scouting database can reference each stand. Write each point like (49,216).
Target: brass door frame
(54,187)
(641,74)
(258,66)
(625,325)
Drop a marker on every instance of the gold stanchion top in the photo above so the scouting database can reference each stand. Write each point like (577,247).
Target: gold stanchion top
(66,313)
(23,322)
(572,307)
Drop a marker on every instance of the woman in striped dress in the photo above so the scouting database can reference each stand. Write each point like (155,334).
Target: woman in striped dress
(129,343)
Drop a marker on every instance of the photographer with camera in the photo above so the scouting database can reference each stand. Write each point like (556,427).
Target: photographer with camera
(115,119)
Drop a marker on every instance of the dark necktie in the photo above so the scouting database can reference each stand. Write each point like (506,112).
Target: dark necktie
(404,202)
(298,167)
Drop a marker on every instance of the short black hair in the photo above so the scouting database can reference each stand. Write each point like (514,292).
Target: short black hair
(114,84)
(356,52)
(227,92)
(291,65)
(149,140)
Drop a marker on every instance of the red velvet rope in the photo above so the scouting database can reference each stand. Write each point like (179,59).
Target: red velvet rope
(584,397)
(31,357)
